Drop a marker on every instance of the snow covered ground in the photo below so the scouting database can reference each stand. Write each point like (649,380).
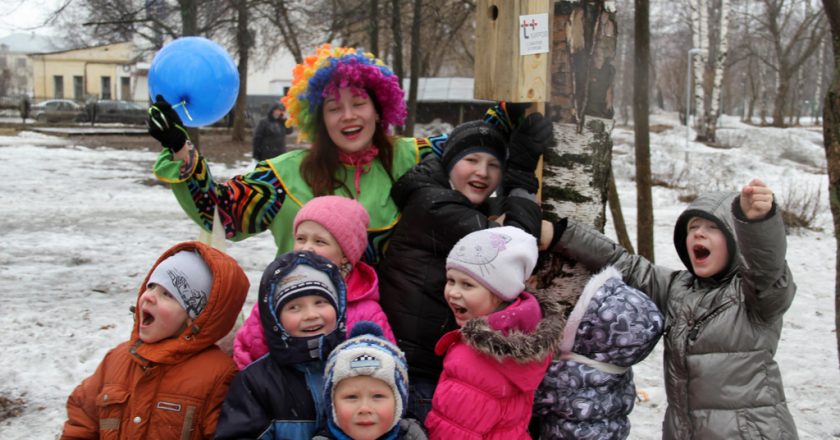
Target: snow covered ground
(81,227)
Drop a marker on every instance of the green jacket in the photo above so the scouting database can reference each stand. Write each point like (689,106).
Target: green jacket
(721,333)
(269,196)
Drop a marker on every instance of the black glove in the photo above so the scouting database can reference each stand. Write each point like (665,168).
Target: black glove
(165,125)
(530,140)
(526,180)
(516,110)
(523,214)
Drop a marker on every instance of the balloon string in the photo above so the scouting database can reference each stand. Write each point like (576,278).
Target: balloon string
(186,111)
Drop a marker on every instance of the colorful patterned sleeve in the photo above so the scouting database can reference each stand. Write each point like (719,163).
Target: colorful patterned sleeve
(246,203)
(427,145)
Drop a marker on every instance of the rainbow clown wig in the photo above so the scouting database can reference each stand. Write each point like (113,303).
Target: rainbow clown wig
(331,68)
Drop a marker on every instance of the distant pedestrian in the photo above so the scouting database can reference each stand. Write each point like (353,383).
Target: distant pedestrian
(25,107)
(270,134)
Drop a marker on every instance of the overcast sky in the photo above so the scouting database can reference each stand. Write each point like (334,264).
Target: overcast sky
(25,15)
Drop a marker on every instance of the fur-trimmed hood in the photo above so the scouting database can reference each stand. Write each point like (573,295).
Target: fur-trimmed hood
(490,336)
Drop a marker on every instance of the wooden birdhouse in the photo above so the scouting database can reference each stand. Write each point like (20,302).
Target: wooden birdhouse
(512,50)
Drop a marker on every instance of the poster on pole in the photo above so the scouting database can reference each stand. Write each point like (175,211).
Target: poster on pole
(533,34)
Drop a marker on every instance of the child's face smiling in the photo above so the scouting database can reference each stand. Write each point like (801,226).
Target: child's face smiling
(308,315)
(364,407)
(476,176)
(467,298)
(161,316)
(313,237)
(706,247)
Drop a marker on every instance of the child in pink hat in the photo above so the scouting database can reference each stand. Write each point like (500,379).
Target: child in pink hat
(335,228)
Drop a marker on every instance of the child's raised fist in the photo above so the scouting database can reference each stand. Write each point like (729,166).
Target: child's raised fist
(756,199)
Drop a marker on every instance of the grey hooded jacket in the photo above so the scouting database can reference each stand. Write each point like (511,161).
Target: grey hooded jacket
(721,333)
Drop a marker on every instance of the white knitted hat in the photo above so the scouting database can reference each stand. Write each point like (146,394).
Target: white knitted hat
(500,259)
(187,278)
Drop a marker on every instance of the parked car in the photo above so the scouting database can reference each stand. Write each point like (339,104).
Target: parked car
(125,112)
(58,110)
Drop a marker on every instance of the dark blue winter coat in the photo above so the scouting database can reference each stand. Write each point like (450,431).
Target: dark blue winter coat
(588,390)
(280,395)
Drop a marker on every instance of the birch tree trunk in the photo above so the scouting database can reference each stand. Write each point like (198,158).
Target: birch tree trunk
(699,18)
(831,139)
(717,79)
(818,93)
(762,101)
(576,171)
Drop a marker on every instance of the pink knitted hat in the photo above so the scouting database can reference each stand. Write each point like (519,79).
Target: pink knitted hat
(346,219)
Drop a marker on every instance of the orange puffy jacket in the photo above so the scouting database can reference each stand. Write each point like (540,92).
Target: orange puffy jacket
(171,389)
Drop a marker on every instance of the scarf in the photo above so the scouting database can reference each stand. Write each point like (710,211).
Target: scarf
(361,160)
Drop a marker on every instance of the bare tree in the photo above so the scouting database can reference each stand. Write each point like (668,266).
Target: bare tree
(699,25)
(244,42)
(416,22)
(794,34)
(831,138)
(373,25)
(397,39)
(301,24)
(721,52)
(818,90)
(641,128)
(576,171)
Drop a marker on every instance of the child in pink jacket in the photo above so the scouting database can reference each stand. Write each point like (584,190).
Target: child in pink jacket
(494,363)
(335,228)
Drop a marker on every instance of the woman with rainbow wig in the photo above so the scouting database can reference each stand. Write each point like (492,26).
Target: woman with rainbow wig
(345,102)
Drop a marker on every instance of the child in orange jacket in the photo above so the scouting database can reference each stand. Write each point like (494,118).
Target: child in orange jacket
(169,380)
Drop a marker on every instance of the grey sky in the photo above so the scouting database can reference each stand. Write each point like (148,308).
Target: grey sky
(25,15)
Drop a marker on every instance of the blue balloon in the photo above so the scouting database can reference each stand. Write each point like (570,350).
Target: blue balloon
(198,77)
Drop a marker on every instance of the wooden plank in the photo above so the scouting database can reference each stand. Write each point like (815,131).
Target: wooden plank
(501,74)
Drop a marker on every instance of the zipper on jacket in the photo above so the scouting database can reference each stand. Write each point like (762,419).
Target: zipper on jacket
(695,329)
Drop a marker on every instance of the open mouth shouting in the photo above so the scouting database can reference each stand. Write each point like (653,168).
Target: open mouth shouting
(461,313)
(147,318)
(701,253)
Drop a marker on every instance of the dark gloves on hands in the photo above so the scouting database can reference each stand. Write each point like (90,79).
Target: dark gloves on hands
(523,214)
(165,125)
(516,111)
(528,141)
(526,180)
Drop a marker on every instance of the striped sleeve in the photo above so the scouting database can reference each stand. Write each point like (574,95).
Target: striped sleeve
(247,203)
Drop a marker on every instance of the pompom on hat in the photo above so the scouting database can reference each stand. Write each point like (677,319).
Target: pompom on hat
(368,353)
(345,219)
(330,68)
(500,259)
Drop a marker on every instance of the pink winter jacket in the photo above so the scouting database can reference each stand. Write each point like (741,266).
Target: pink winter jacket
(362,305)
(491,368)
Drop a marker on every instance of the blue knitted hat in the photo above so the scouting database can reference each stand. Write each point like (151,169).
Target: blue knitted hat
(368,353)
